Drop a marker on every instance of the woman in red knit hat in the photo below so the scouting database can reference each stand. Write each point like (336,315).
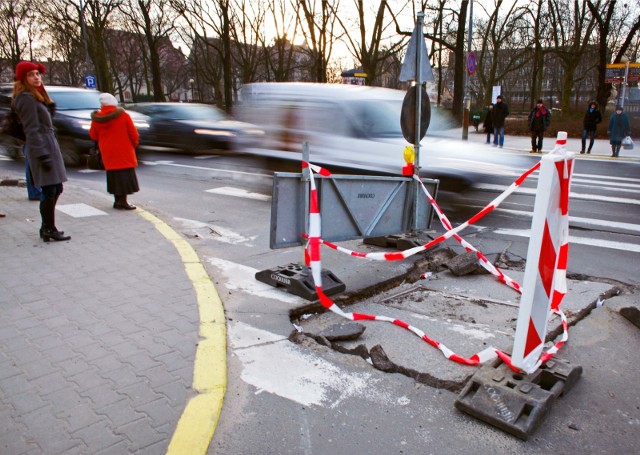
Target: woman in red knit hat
(117,138)
(33,105)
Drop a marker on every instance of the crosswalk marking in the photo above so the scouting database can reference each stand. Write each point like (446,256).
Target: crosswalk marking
(80,210)
(576,240)
(582,220)
(205,168)
(572,195)
(238,192)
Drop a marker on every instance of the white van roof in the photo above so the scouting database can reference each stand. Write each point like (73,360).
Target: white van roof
(283,90)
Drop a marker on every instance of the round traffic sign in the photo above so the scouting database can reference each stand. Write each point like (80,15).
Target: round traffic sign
(408,114)
(471,63)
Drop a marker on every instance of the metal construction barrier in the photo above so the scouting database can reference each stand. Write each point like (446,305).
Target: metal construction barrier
(511,393)
(356,206)
(553,266)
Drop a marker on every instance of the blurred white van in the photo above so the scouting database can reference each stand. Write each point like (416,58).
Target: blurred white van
(357,129)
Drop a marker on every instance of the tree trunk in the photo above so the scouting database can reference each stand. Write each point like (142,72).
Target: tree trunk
(226,58)
(460,62)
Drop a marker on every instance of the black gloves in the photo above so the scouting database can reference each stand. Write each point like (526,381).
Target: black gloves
(52,109)
(45,161)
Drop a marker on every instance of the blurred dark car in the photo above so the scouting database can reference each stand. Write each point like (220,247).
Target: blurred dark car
(357,128)
(194,127)
(12,146)
(71,121)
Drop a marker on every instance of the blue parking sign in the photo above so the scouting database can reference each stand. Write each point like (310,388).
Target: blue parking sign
(90,81)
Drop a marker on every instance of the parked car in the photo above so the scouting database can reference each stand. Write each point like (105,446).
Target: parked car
(12,146)
(71,121)
(357,128)
(195,127)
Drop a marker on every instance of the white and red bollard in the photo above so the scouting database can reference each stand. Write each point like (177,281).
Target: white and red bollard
(544,284)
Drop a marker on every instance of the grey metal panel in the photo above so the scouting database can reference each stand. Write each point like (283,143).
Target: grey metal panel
(289,210)
(351,206)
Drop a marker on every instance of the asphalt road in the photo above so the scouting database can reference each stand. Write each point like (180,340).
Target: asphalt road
(289,398)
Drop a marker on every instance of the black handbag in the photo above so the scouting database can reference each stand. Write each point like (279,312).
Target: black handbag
(11,126)
(94,161)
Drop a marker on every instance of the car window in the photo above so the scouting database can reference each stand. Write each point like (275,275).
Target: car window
(195,112)
(325,118)
(74,100)
(379,118)
(157,111)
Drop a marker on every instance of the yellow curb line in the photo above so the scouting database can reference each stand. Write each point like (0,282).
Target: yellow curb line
(199,419)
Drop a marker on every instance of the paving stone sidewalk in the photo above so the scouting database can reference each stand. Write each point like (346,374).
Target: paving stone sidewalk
(97,335)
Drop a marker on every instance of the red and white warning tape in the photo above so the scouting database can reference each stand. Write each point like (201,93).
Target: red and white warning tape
(312,259)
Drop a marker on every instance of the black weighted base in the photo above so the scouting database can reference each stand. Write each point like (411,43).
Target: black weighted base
(297,280)
(516,403)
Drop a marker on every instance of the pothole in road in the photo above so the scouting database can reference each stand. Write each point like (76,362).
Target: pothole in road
(467,314)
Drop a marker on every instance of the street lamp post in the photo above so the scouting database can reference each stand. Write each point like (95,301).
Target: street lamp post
(467,97)
(83,29)
(191,82)
(624,60)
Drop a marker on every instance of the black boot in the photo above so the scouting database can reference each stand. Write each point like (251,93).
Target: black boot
(54,234)
(122,204)
(48,213)
(42,231)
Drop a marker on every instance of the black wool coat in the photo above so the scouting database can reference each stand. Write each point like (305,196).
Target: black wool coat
(41,141)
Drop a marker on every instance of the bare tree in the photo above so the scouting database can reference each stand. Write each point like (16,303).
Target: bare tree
(438,31)
(451,19)
(60,20)
(97,16)
(536,13)
(247,23)
(201,18)
(318,30)
(154,20)
(604,13)
(280,54)
(571,29)
(16,31)
(368,48)
(502,47)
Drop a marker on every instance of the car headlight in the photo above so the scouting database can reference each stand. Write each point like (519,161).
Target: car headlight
(84,124)
(215,132)
(254,132)
(141,124)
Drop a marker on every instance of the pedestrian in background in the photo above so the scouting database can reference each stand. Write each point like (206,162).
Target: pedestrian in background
(539,121)
(500,113)
(619,128)
(32,104)
(591,119)
(488,123)
(117,138)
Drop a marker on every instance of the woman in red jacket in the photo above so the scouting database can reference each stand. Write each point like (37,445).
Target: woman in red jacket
(117,138)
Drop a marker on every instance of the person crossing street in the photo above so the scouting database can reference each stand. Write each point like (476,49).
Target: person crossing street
(539,121)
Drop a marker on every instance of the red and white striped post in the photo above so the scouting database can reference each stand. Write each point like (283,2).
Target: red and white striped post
(544,284)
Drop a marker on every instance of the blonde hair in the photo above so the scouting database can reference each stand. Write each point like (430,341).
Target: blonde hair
(39,93)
